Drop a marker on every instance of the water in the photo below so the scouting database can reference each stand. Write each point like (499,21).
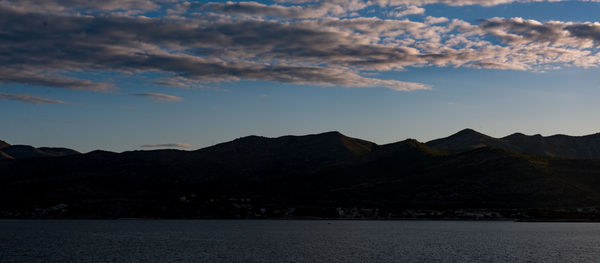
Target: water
(296,241)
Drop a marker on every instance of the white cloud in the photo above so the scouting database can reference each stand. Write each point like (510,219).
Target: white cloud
(436,20)
(406,10)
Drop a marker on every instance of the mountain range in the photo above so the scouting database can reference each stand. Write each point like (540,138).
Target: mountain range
(327,175)
(8,151)
(557,145)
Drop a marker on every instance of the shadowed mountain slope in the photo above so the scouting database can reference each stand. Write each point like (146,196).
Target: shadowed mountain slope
(289,151)
(556,145)
(57,151)
(481,178)
(4,156)
(3,144)
(26,151)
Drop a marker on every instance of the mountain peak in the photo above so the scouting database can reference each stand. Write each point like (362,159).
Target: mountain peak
(465,135)
(337,133)
(250,138)
(463,140)
(556,145)
(516,135)
(329,134)
(468,132)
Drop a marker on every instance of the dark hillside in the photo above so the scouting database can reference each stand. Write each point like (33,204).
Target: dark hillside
(323,175)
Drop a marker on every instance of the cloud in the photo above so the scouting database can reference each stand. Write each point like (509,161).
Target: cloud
(319,9)
(159,97)
(199,49)
(79,5)
(436,20)
(299,42)
(407,10)
(168,145)
(29,99)
(523,31)
(179,82)
(48,79)
(427,2)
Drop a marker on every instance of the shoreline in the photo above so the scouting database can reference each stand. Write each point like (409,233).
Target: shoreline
(537,220)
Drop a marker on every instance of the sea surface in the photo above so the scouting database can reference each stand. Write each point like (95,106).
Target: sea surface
(296,241)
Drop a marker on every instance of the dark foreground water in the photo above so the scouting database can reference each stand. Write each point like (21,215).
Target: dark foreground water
(296,241)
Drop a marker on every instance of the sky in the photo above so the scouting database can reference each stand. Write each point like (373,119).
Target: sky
(125,75)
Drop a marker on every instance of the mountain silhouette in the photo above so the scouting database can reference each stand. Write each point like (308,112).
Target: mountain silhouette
(465,140)
(315,175)
(288,152)
(556,145)
(8,151)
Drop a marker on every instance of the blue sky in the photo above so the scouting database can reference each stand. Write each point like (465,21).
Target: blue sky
(92,83)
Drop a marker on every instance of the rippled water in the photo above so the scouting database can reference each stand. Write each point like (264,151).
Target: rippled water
(296,241)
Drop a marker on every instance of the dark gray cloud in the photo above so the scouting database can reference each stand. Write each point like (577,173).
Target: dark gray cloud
(516,30)
(29,99)
(519,30)
(258,9)
(180,82)
(28,75)
(584,31)
(200,49)
(79,5)
(316,9)
(159,97)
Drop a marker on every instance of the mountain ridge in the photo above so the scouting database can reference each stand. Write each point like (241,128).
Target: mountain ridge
(564,146)
(584,146)
(27,151)
(315,175)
